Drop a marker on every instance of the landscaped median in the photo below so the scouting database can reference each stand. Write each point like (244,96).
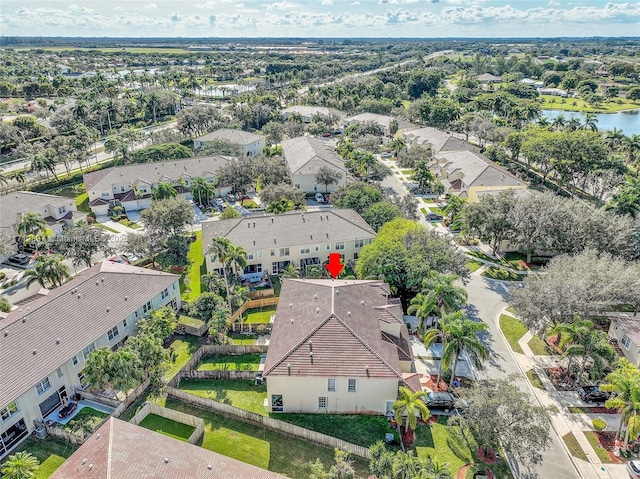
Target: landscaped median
(514,330)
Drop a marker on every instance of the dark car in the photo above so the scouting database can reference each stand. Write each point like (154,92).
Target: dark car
(433,217)
(20,259)
(443,400)
(593,394)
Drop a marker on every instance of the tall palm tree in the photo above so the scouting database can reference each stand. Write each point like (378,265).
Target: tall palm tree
(39,239)
(80,110)
(408,406)
(126,369)
(21,465)
(438,294)
(48,269)
(462,334)
(221,248)
(439,333)
(573,334)
(632,145)
(625,381)
(29,223)
(590,122)
(97,370)
(595,346)
(18,175)
(614,138)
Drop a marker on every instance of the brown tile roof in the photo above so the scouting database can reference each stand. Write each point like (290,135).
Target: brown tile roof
(120,450)
(62,323)
(337,322)
(412,381)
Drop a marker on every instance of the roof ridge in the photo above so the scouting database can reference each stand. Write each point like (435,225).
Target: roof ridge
(335,212)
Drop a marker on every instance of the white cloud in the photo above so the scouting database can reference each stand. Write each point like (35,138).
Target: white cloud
(326,3)
(356,3)
(151,6)
(283,5)
(395,2)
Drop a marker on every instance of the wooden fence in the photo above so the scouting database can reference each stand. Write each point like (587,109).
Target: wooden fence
(208,350)
(261,293)
(218,374)
(70,437)
(177,416)
(267,422)
(251,304)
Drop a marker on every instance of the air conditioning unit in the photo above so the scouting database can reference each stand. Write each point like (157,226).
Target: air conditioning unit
(41,432)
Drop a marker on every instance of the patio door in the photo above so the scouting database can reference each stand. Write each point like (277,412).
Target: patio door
(53,401)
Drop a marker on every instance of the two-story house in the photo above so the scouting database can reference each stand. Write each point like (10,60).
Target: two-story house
(44,343)
(383,121)
(299,238)
(250,144)
(131,185)
(307,113)
(337,347)
(305,156)
(437,140)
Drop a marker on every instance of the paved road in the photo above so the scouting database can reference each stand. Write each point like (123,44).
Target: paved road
(487,298)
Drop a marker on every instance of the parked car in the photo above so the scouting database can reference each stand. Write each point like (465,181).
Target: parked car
(231,198)
(386,154)
(593,394)
(120,259)
(20,258)
(130,257)
(633,468)
(319,197)
(433,217)
(443,400)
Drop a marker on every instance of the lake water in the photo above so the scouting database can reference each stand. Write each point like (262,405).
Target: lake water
(226,90)
(627,121)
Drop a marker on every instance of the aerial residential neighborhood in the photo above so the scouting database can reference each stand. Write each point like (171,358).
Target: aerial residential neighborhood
(311,243)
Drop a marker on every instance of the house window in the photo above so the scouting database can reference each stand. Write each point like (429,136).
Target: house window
(146,308)
(122,189)
(124,323)
(304,250)
(113,333)
(105,194)
(359,243)
(164,293)
(276,403)
(9,411)
(42,386)
(331,385)
(626,341)
(62,210)
(273,252)
(322,402)
(317,248)
(352,386)
(59,372)
(250,255)
(83,384)
(328,246)
(284,252)
(88,349)
(339,245)
(135,313)
(74,360)
(259,254)
(355,255)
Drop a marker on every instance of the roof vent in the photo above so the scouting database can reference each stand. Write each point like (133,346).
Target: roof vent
(79,296)
(337,292)
(90,466)
(317,310)
(315,296)
(209,467)
(58,341)
(107,310)
(274,241)
(84,461)
(166,460)
(98,436)
(311,345)
(24,320)
(97,283)
(102,279)
(126,297)
(248,225)
(289,369)
(6,333)
(327,217)
(35,351)
(254,242)
(271,220)
(311,236)
(254,224)
(291,320)
(366,368)
(362,302)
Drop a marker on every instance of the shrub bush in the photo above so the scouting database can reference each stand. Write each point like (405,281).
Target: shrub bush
(2,275)
(599,424)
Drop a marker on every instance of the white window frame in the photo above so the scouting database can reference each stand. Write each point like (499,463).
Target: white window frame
(124,323)
(284,252)
(331,385)
(88,349)
(59,372)
(339,245)
(165,293)
(250,255)
(322,402)
(259,254)
(352,385)
(9,411)
(359,243)
(113,333)
(625,339)
(43,386)
(74,361)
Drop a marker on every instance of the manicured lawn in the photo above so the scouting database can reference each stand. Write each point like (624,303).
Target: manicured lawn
(49,451)
(424,211)
(261,447)
(105,227)
(438,440)
(238,393)
(227,362)
(534,379)
(474,265)
(513,330)
(259,316)
(602,453)
(168,427)
(243,339)
(249,204)
(129,224)
(87,420)
(363,430)
(550,102)
(573,446)
(501,274)
(184,349)
(407,172)
(82,203)
(198,268)
(437,210)
(539,347)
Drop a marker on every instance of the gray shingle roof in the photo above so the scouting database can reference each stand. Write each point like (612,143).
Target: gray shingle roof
(121,450)
(313,110)
(478,170)
(305,155)
(14,204)
(337,321)
(237,137)
(154,172)
(289,229)
(74,321)
(439,140)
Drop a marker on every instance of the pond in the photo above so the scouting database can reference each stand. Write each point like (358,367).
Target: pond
(627,121)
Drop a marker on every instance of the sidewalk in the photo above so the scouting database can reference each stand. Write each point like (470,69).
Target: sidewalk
(564,421)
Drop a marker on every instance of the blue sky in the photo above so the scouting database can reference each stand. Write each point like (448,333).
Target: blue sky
(320,18)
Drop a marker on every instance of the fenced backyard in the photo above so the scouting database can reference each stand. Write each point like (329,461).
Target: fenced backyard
(151,417)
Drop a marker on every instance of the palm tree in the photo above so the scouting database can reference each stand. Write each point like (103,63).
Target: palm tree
(397,145)
(97,368)
(21,465)
(163,190)
(462,334)
(18,175)
(202,188)
(574,332)
(48,269)
(39,239)
(558,123)
(228,255)
(80,110)
(590,122)
(595,346)
(126,369)
(439,333)
(408,406)
(29,223)
(614,138)
(454,207)
(625,381)
(438,294)
(631,145)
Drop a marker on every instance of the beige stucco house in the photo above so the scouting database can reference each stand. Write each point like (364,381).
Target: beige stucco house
(337,347)
(437,140)
(250,144)
(625,331)
(300,238)
(44,342)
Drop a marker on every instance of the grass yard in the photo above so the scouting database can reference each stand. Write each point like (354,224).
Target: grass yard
(602,453)
(534,379)
(440,441)
(198,268)
(249,203)
(258,315)
(437,210)
(105,227)
(513,330)
(189,321)
(261,447)
(407,172)
(239,393)
(227,362)
(183,349)
(363,430)
(129,224)
(539,347)
(86,420)
(573,446)
(168,427)
(82,203)
(550,102)
(243,339)
(500,274)
(49,451)
(473,265)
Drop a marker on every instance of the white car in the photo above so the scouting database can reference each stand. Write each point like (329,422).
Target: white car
(633,468)
(319,197)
